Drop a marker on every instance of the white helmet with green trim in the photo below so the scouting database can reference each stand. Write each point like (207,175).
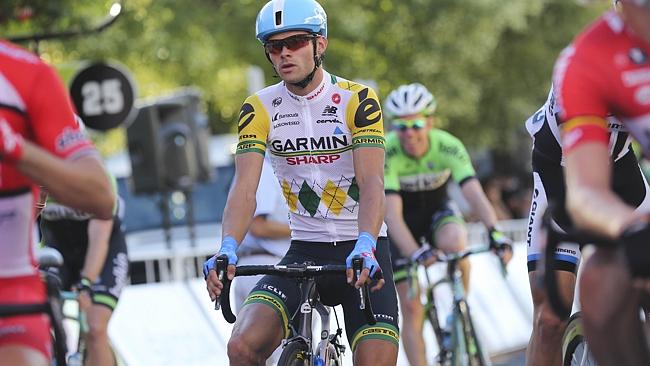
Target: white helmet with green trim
(410,99)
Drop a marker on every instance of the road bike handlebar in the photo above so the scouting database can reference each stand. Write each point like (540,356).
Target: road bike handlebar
(304,271)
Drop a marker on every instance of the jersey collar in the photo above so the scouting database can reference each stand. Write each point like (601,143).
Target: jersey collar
(315,95)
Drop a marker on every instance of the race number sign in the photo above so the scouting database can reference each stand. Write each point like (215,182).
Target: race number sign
(103,95)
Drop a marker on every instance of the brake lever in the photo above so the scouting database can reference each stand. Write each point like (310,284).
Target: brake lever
(220,266)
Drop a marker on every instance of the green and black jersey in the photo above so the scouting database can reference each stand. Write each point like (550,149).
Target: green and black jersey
(424,180)
(422,183)
(66,229)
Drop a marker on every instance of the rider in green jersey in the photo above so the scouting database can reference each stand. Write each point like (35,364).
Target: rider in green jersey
(420,160)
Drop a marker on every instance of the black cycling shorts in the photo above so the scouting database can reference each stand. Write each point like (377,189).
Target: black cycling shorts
(423,229)
(70,237)
(283,294)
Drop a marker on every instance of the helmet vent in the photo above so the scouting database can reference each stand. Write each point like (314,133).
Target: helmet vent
(278,17)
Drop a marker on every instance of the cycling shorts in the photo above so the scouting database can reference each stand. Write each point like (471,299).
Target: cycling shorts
(31,331)
(283,294)
(548,186)
(423,230)
(114,274)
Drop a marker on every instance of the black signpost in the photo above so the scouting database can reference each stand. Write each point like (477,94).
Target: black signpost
(103,94)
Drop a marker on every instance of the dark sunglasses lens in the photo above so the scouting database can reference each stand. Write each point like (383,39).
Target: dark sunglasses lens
(297,42)
(292,43)
(402,127)
(274,47)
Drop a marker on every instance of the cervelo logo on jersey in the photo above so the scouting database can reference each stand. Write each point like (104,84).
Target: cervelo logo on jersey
(330,120)
(69,138)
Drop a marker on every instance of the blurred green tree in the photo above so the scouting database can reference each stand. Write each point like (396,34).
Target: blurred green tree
(488,62)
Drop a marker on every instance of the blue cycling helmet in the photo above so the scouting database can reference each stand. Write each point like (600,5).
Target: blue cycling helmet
(289,15)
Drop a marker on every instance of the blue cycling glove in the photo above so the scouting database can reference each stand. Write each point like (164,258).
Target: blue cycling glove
(365,248)
(228,248)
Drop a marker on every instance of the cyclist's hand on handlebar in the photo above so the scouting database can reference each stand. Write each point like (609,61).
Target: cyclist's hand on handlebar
(84,293)
(501,245)
(214,285)
(425,255)
(634,240)
(365,249)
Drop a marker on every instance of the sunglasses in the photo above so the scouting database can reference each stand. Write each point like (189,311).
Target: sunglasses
(403,125)
(291,43)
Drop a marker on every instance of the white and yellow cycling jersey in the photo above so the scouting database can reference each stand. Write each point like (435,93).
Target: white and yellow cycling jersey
(310,139)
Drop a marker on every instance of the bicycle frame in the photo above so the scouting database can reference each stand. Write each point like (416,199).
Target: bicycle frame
(80,318)
(303,319)
(305,275)
(464,342)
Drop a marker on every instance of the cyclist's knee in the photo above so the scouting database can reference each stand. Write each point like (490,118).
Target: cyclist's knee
(97,334)
(240,351)
(375,352)
(451,237)
(548,323)
(97,319)
(411,309)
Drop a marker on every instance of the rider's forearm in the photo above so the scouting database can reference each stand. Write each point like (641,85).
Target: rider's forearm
(81,183)
(600,211)
(590,200)
(473,193)
(371,204)
(99,235)
(238,214)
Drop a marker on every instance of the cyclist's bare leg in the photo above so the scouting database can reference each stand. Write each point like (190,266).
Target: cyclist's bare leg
(545,345)
(412,321)
(610,311)
(251,344)
(371,352)
(20,355)
(451,237)
(97,342)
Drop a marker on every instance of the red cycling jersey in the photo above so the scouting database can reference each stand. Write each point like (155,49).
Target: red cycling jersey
(605,71)
(35,104)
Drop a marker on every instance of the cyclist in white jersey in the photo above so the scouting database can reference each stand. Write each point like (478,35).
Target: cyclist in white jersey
(548,177)
(325,137)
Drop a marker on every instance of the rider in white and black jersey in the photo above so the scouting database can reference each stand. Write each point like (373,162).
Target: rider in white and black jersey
(548,178)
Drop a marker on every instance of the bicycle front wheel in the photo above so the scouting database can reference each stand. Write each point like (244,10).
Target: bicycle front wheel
(574,347)
(295,353)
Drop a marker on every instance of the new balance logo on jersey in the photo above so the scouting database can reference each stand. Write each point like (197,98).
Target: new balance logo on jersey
(330,110)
